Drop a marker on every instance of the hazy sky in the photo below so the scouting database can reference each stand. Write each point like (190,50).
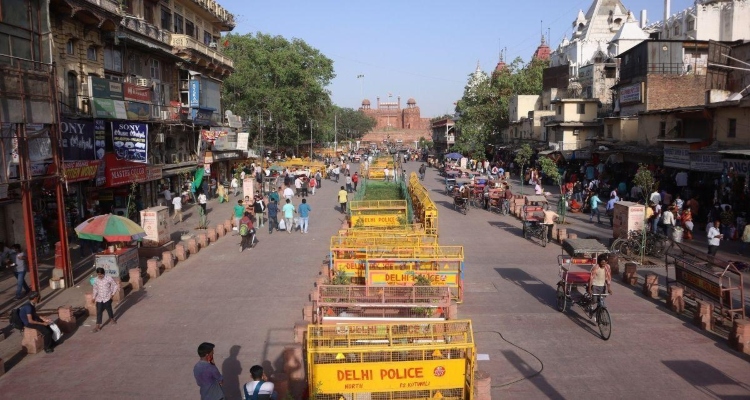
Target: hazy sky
(420,49)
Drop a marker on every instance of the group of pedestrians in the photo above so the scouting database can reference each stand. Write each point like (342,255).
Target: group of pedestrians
(211,382)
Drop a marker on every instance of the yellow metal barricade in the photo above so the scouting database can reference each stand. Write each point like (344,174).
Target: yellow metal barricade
(425,210)
(348,253)
(391,361)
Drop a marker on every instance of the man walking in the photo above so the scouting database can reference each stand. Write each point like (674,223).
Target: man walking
(273,220)
(239,211)
(18,263)
(714,238)
(177,203)
(594,202)
(259,207)
(355,180)
(235,186)
(304,213)
(342,199)
(207,375)
(422,171)
(348,183)
(288,193)
(288,211)
(104,289)
(610,208)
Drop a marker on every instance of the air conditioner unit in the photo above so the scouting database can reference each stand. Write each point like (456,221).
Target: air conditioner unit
(554,146)
(143,82)
(159,138)
(165,115)
(213,45)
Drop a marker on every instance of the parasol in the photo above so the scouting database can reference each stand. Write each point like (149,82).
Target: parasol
(454,156)
(112,228)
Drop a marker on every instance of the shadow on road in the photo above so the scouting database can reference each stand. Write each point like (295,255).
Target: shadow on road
(532,375)
(231,369)
(541,291)
(708,379)
(515,230)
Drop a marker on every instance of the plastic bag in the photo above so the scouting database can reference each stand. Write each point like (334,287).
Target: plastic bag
(56,334)
(282,225)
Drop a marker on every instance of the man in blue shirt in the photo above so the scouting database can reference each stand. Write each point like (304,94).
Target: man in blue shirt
(273,211)
(595,201)
(207,376)
(610,210)
(304,213)
(31,320)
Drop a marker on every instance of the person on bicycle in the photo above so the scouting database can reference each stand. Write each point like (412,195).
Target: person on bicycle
(600,279)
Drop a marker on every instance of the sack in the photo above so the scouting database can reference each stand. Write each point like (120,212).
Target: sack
(244,229)
(282,225)
(56,334)
(15,319)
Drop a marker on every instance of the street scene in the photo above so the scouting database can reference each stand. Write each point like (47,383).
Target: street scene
(199,203)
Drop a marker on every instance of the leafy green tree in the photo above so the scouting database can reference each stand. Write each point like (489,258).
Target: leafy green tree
(644,180)
(286,77)
(523,157)
(551,171)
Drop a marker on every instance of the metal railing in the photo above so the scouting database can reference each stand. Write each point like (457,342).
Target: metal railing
(146,29)
(112,6)
(188,42)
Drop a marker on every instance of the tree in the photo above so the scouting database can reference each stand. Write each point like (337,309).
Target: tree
(644,180)
(425,143)
(523,157)
(287,78)
(551,171)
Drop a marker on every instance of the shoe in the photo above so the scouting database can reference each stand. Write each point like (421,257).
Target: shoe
(96,329)
(114,321)
(241,249)
(50,350)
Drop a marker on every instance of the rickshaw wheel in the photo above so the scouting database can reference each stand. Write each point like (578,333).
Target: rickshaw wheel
(604,322)
(544,236)
(525,234)
(561,300)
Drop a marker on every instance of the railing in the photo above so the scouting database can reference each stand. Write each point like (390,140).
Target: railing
(144,28)
(217,10)
(112,6)
(187,42)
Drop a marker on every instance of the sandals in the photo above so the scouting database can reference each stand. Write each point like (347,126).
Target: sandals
(96,329)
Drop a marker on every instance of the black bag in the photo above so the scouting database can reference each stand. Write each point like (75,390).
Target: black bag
(15,319)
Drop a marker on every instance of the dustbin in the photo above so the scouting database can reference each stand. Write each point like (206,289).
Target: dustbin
(677,233)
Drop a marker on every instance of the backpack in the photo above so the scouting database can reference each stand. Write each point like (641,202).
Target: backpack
(15,319)
(244,229)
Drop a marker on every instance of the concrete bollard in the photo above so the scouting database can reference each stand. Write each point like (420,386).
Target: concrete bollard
(630,276)
(211,234)
(572,236)
(220,231)
(314,296)
(203,240)
(739,336)
(66,319)
(703,317)
(307,314)
(32,341)
(562,234)
(482,385)
(614,263)
(676,301)
(228,225)
(180,253)
(294,365)
(452,311)
(153,268)
(167,260)
(651,286)
(300,332)
(192,246)
(321,280)
(89,303)
(135,279)
(324,270)
(119,295)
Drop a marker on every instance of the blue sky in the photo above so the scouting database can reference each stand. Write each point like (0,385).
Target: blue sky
(420,49)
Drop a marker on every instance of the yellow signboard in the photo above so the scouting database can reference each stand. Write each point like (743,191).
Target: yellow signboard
(376,220)
(406,278)
(388,376)
(350,267)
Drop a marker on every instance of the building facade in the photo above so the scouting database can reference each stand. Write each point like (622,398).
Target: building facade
(390,116)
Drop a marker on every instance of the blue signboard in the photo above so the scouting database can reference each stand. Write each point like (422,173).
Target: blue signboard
(202,116)
(130,141)
(195,93)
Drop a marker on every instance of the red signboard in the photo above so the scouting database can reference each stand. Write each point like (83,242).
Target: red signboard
(137,93)
(122,172)
(78,171)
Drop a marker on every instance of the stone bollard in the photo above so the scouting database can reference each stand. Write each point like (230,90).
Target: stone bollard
(614,263)
(89,303)
(32,341)
(452,312)
(135,279)
(562,234)
(324,270)
(280,384)
(300,332)
(314,296)
(211,233)
(119,295)
(630,276)
(739,336)
(153,268)
(482,385)
(321,280)
(192,246)
(203,240)
(703,317)
(307,314)
(220,231)
(676,301)
(572,236)
(167,260)
(180,253)
(228,225)
(66,319)
(294,365)
(651,286)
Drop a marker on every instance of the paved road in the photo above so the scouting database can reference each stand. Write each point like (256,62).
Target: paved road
(247,304)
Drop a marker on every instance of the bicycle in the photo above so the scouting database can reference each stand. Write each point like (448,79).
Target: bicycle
(566,288)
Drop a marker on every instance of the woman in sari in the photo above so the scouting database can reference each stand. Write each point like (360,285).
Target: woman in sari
(687,223)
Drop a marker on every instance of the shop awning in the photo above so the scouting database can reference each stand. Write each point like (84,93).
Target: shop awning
(735,152)
(179,170)
(124,172)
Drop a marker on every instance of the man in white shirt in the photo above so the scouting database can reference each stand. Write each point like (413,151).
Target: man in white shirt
(655,197)
(385,173)
(235,186)
(202,201)
(667,219)
(714,238)
(177,203)
(288,193)
(298,185)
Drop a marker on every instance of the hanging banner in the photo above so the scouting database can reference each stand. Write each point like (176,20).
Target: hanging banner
(130,141)
(242,140)
(739,165)
(109,109)
(77,139)
(100,140)
(705,162)
(677,156)
(137,93)
(195,93)
(211,136)
(137,111)
(100,88)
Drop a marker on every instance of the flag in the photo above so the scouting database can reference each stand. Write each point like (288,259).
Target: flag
(226,43)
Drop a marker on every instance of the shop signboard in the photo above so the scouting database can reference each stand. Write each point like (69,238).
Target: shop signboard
(100,138)
(202,116)
(195,93)
(109,109)
(130,141)
(631,93)
(739,165)
(706,162)
(226,155)
(77,139)
(100,88)
(137,93)
(79,171)
(137,111)
(248,187)
(125,174)
(242,140)
(677,156)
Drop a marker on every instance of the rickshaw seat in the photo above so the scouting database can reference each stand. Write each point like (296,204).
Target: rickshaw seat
(577,277)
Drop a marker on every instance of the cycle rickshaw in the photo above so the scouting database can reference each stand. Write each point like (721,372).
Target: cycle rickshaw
(582,254)
(532,218)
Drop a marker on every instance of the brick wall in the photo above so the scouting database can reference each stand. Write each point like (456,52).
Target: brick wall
(670,91)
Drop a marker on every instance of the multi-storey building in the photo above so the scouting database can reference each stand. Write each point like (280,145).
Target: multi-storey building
(723,20)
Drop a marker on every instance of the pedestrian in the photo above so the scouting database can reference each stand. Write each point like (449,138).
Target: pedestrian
(549,220)
(385,173)
(288,193)
(318,179)
(714,238)
(207,375)
(104,289)
(745,239)
(313,184)
(273,220)
(258,388)
(259,207)
(610,208)
(538,188)
(30,319)
(687,222)
(202,200)
(668,220)
(298,186)
(247,232)
(342,199)
(422,171)
(221,194)
(348,183)
(355,180)
(305,185)
(304,213)
(238,212)
(594,201)
(274,195)
(212,188)
(235,186)
(600,279)
(167,197)
(288,211)
(177,203)
(18,263)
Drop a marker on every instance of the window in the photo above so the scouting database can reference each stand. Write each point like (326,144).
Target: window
(112,59)
(70,47)
(610,129)
(691,25)
(732,130)
(190,29)
(678,129)
(559,110)
(72,91)
(676,30)
(178,24)
(155,69)
(149,12)
(576,132)
(166,18)
(662,129)
(91,53)
(581,108)
(207,38)
(135,65)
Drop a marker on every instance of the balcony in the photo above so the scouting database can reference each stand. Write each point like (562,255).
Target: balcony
(185,42)
(112,6)
(144,28)
(225,18)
